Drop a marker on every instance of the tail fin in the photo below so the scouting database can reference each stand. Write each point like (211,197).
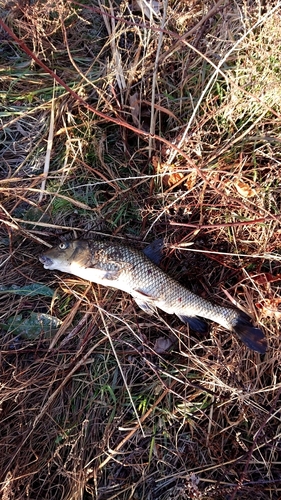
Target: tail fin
(252,337)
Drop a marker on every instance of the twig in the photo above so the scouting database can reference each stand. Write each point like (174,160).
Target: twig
(49,147)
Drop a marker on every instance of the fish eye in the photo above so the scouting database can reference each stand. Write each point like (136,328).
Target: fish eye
(63,246)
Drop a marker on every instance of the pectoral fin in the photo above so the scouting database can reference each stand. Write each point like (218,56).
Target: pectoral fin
(112,275)
(112,272)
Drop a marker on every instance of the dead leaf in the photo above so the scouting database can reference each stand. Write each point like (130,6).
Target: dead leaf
(155,163)
(162,345)
(264,278)
(162,109)
(172,179)
(135,108)
(270,308)
(191,180)
(244,189)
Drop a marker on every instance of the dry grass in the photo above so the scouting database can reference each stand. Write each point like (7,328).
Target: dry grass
(171,128)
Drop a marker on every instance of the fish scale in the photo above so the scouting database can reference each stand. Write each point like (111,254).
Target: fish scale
(125,268)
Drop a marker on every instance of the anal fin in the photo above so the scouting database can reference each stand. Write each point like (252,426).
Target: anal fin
(195,323)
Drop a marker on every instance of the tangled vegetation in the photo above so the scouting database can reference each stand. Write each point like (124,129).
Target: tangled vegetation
(139,119)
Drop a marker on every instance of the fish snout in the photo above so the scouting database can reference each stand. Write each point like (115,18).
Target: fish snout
(46,261)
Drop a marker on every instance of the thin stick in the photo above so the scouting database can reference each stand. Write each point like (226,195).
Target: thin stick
(49,147)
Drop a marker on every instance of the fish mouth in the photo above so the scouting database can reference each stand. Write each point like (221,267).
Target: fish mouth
(46,261)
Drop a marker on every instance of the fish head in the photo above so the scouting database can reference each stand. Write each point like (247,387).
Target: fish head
(66,255)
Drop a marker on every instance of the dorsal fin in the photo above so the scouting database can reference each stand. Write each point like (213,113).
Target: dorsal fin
(154,251)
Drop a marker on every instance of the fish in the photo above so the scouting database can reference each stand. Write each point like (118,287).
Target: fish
(131,270)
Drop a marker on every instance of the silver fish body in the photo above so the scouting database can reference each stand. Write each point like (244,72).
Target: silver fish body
(128,269)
